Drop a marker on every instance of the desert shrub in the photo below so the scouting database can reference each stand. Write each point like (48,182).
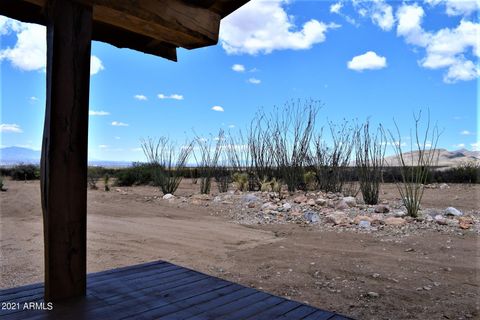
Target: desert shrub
(106,181)
(138,173)
(292,130)
(93,174)
(25,172)
(2,186)
(207,159)
(330,161)
(310,180)
(240,180)
(466,172)
(260,151)
(167,162)
(369,160)
(414,170)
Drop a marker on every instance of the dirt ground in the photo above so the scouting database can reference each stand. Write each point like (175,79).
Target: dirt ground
(432,274)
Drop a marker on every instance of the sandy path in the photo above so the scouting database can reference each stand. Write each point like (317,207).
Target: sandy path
(123,229)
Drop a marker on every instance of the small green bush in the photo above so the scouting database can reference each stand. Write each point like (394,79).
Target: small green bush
(310,180)
(241,181)
(25,172)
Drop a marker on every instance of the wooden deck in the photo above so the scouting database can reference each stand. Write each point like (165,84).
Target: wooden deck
(159,290)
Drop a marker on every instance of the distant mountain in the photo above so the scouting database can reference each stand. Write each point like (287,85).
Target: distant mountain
(15,155)
(445,158)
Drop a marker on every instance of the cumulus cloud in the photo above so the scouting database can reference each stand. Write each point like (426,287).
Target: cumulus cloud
(238,68)
(96,65)
(30,50)
(217,108)
(336,7)
(379,11)
(98,113)
(367,61)
(457,7)
(466,133)
(254,81)
(12,128)
(475,146)
(119,124)
(446,48)
(172,96)
(140,97)
(265,26)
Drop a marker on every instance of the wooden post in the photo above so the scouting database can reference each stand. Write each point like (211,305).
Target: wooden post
(64,149)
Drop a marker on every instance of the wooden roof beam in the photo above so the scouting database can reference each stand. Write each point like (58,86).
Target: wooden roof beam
(176,22)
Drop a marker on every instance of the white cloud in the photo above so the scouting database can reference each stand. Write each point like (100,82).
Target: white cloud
(379,11)
(172,96)
(103,146)
(30,50)
(119,124)
(98,113)
(336,7)
(96,65)
(238,68)
(33,99)
(466,133)
(117,138)
(448,48)
(217,108)
(265,26)
(460,145)
(140,97)
(475,146)
(231,126)
(254,81)
(13,128)
(367,61)
(457,7)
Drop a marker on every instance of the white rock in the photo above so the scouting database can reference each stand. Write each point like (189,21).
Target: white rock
(451,211)
(287,206)
(168,196)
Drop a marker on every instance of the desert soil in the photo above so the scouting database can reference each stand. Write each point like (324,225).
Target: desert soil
(430,274)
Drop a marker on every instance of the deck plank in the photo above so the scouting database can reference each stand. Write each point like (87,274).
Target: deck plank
(163,290)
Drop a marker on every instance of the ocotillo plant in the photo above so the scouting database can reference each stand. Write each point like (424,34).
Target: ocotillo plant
(415,167)
(167,162)
(369,161)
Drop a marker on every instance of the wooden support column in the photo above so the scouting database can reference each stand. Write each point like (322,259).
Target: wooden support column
(64,149)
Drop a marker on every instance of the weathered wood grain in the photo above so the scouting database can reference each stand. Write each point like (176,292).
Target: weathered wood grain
(64,149)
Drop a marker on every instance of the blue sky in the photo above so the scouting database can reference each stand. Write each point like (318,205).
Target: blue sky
(363,59)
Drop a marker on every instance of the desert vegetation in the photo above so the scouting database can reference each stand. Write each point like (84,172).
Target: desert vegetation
(414,170)
(285,150)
